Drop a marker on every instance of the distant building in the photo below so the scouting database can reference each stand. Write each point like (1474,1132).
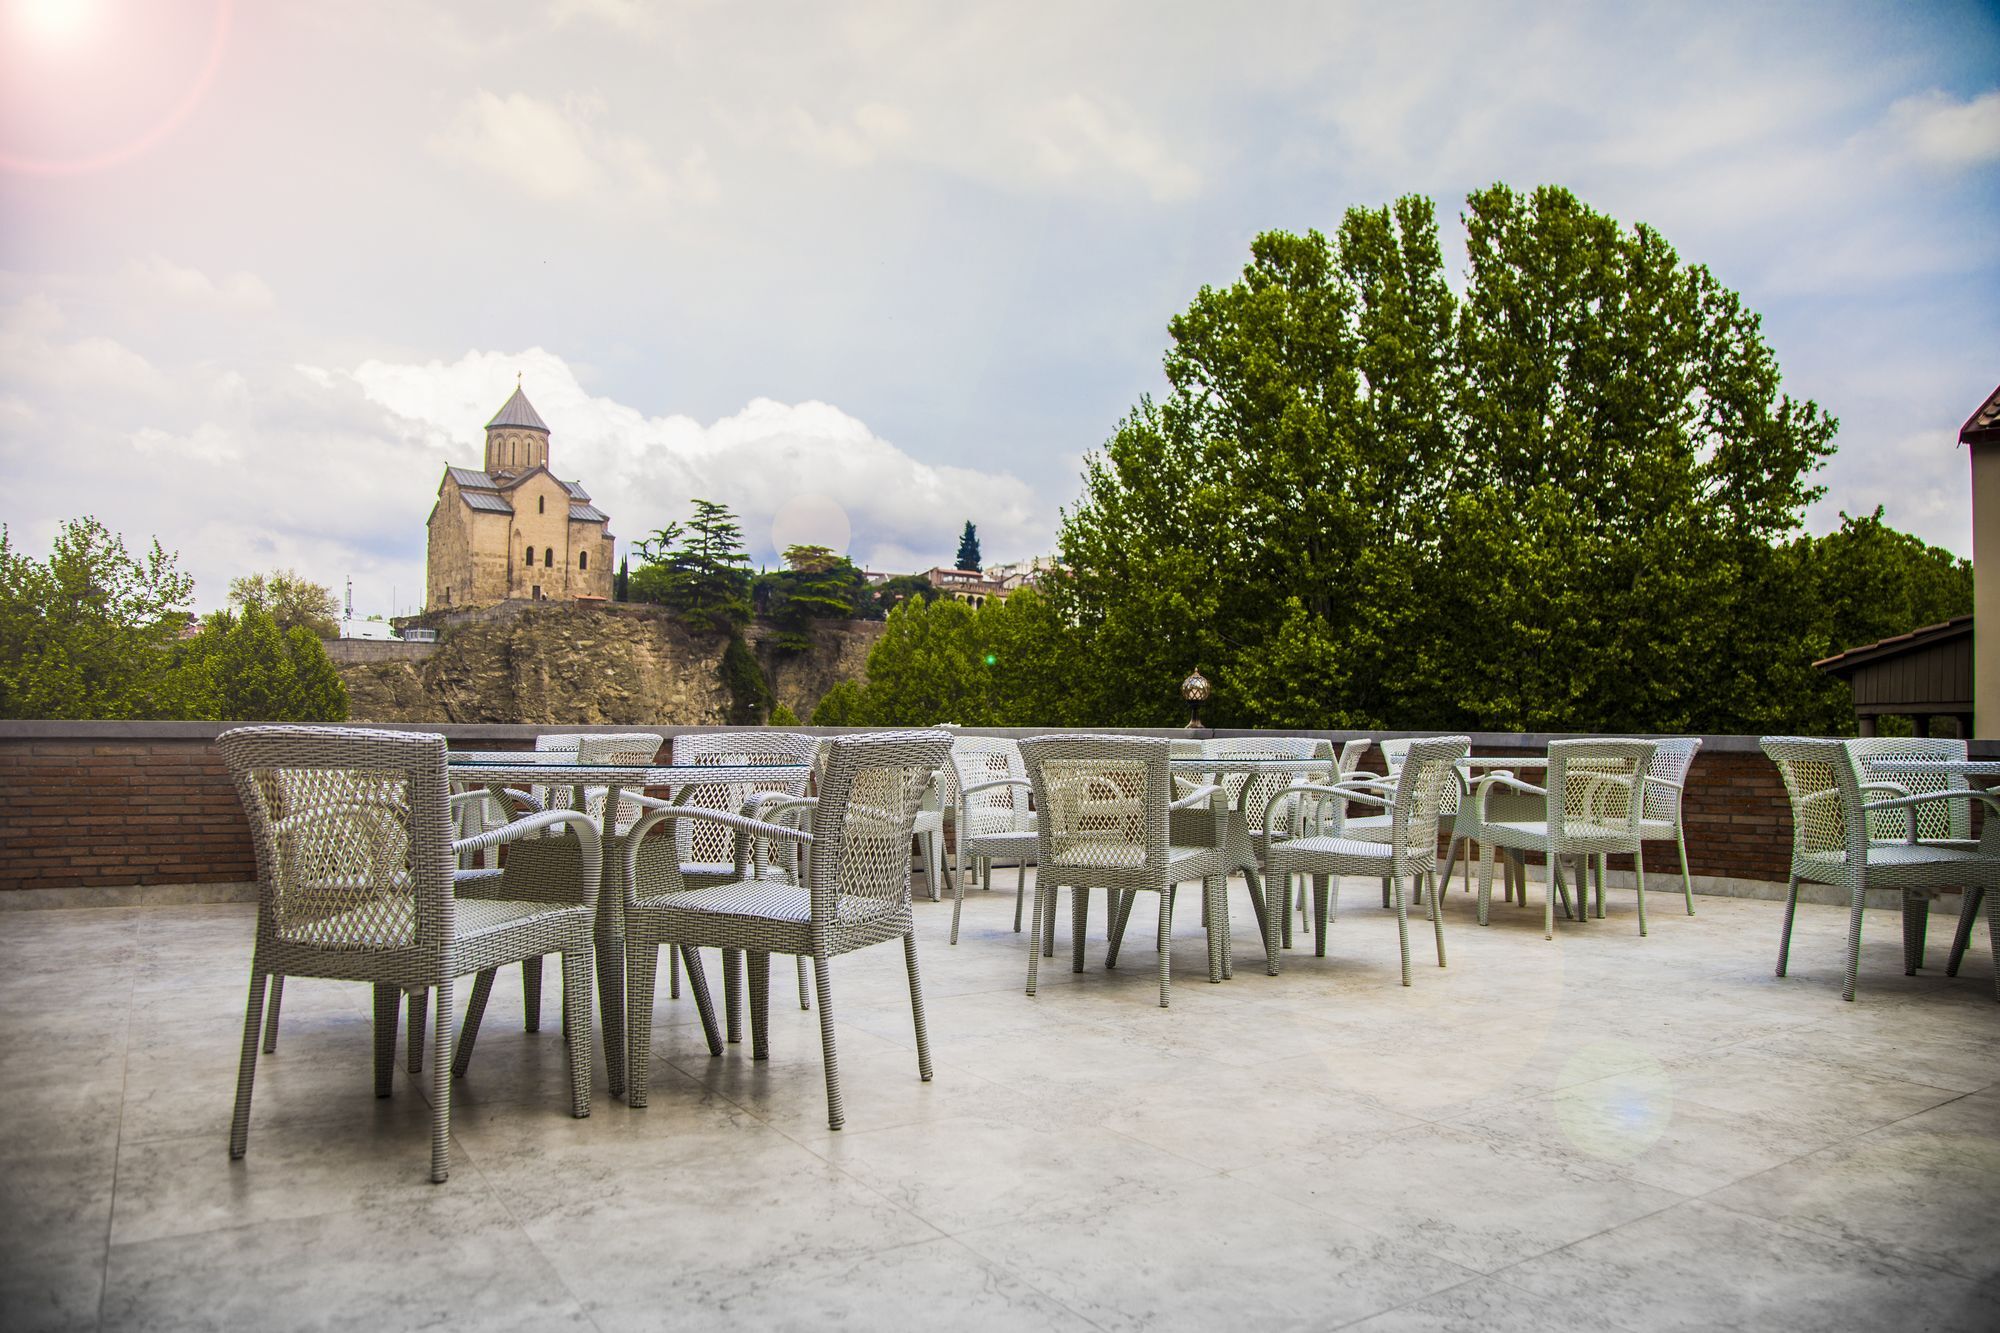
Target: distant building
(513,530)
(966,585)
(1018,574)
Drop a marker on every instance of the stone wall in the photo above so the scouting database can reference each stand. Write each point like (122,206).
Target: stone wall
(554,664)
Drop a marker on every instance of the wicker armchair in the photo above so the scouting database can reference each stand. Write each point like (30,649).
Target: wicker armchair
(1838,839)
(1104,804)
(1940,823)
(1666,783)
(353,837)
(1594,801)
(1252,797)
(1427,775)
(992,820)
(857,893)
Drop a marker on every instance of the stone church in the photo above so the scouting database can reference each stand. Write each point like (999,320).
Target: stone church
(513,530)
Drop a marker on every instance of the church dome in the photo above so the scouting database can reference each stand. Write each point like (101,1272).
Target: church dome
(519,414)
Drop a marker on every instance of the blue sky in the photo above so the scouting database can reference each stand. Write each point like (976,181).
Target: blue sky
(865,271)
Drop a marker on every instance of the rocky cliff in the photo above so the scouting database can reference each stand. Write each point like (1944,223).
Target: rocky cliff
(554,662)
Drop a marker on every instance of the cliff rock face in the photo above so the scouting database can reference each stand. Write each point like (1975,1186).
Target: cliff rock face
(560,663)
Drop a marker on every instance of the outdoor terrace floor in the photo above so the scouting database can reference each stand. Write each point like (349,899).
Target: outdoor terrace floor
(1603,1132)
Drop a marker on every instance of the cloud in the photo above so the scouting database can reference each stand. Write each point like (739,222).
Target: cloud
(236,293)
(1939,130)
(552,150)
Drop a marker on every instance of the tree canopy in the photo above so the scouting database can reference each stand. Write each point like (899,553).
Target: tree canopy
(700,570)
(289,599)
(968,549)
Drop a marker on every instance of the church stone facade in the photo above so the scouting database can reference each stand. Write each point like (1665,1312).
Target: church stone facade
(513,530)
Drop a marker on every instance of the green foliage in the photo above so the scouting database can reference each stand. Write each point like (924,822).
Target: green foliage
(1558,502)
(290,599)
(783,716)
(243,668)
(892,593)
(816,584)
(700,571)
(749,693)
(86,633)
(842,706)
(968,549)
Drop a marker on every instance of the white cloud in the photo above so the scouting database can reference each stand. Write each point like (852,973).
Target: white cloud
(236,293)
(553,150)
(1938,129)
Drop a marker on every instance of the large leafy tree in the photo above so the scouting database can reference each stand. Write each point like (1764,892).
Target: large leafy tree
(816,584)
(1555,502)
(245,668)
(290,599)
(86,633)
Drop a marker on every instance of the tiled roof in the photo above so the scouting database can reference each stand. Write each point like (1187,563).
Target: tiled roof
(1983,426)
(1896,644)
(486,502)
(466,476)
(519,413)
(587,514)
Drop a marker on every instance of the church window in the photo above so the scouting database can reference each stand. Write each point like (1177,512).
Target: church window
(530,561)
(548,557)
(583,560)
(541,504)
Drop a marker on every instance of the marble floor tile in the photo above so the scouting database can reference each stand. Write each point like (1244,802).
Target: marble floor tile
(51,1292)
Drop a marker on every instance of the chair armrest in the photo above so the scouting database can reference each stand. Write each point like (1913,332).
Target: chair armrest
(1991,802)
(586,828)
(996,782)
(1195,797)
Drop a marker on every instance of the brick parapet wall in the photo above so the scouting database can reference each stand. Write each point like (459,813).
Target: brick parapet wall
(107,804)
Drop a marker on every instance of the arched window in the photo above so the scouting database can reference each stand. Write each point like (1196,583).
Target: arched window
(583,560)
(541,504)
(548,557)
(530,561)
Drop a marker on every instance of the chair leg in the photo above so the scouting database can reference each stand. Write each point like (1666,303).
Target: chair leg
(697,978)
(732,994)
(673,974)
(1278,908)
(1639,884)
(1020,889)
(1385,893)
(1320,896)
(835,1115)
(1598,868)
(531,993)
(1165,951)
(917,1007)
(1218,927)
(611,1006)
(1993,937)
(1437,918)
(441,1065)
(1486,887)
(1402,926)
(576,1019)
(1121,912)
(1916,919)
(1079,925)
(475,1013)
(642,980)
(271,1013)
(760,1005)
(420,1018)
(1555,887)
(805,990)
(1961,939)
(1785,935)
(1044,902)
(246,1067)
(1049,926)
(1687,881)
(388,1002)
(1854,939)
(958,900)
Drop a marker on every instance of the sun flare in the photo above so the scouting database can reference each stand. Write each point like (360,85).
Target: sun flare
(56,22)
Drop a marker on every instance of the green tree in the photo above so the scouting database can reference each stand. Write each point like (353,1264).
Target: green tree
(701,571)
(290,599)
(783,716)
(243,668)
(926,668)
(845,705)
(816,584)
(86,633)
(894,592)
(968,549)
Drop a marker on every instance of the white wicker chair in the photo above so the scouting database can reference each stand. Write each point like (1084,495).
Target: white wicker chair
(857,893)
(1251,797)
(1427,775)
(1666,785)
(1104,804)
(1835,840)
(1594,800)
(355,856)
(991,819)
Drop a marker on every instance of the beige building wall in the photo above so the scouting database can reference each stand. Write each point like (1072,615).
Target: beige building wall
(1985,591)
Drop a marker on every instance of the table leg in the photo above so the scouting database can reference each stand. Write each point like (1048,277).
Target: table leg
(611,947)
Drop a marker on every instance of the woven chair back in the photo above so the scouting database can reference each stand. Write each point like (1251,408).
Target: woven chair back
(1426,784)
(1671,760)
(869,796)
(1351,752)
(977,759)
(1825,792)
(1252,792)
(698,841)
(1596,793)
(598,747)
(352,832)
(1935,819)
(1102,800)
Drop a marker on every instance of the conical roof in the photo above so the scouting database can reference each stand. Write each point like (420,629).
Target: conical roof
(518,413)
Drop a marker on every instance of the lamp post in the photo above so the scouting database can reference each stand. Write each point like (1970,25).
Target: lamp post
(1195,690)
